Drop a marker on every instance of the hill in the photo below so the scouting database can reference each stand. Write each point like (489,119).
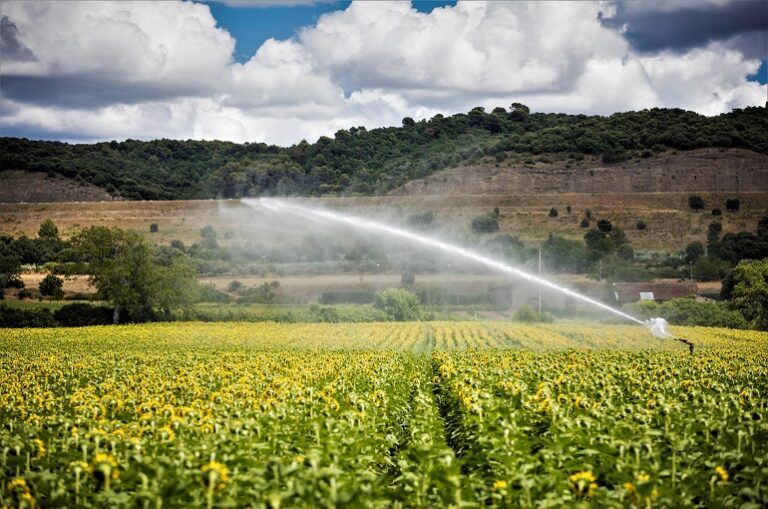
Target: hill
(358,161)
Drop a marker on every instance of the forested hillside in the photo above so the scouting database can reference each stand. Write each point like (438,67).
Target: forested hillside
(368,162)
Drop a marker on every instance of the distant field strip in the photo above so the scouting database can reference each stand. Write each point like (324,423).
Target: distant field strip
(409,336)
(435,414)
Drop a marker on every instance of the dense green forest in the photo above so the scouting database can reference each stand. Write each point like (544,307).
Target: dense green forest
(369,162)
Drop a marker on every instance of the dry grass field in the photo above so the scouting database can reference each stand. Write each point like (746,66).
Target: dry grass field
(671,225)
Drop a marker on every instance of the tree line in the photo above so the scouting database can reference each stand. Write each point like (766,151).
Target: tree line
(359,161)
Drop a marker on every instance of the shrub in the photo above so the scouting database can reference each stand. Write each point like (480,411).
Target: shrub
(688,311)
(694,251)
(604,225)
(584,223)
(717,212)
(528,314)
(732,204)
(398,304)
(235,286)
(487,223)
(696,202)
(12,316)
(421,220)
(568,209)
(208,293)
(153,228)
(640,225)
(80,314)
(51,285)
(553,212)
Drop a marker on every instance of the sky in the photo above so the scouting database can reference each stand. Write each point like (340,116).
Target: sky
(279,72)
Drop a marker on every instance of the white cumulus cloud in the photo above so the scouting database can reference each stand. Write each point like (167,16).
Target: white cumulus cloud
(116,70)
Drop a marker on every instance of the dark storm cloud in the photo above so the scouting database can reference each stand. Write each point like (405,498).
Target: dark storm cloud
(10,47)
(651,30)
(86,91)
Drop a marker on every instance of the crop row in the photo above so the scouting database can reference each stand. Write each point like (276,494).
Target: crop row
(372,415)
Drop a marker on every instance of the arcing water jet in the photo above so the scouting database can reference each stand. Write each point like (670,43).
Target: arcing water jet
(657,326)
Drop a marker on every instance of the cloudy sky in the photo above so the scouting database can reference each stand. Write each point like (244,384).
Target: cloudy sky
(279,72)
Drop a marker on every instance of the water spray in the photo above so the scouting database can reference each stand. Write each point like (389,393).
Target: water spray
(657,326)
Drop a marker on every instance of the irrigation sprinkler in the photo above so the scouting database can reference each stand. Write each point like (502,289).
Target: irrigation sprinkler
(657,326)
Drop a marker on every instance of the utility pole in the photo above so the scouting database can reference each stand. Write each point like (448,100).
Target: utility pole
(539,283)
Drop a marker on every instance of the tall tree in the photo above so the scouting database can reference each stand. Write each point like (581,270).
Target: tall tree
(750,293)
(123,267)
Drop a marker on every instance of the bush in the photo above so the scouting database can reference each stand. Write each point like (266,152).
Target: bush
(584,223)
(208,293)
(81,314)
(604,225)
(717,212)
(640,225)
(528,314)
(696,202)
(235,286)
(421,220)
(688,311)
(153,228)
(553,212)
(487,223)
(694,251)
(732,204)
(12,316)
(399,304)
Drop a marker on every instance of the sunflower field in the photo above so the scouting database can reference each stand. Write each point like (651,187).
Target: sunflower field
(434,414)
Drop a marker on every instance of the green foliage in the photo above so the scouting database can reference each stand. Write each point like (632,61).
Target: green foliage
(51,286)
(81,315)
(421,220)
(528,315)
(399,304)
(604,225)
(584,223)
(361,161)
(560,254)
(12,316)
(696,202)
(135,278)
(694,251)
(710,268)
(687,311)
(234,286)
(209,293)
(553,212)
(713,238)
(48,230)
(750,293)
(263,294)
(640,225)
(487,223)
(732,204)
(10,272)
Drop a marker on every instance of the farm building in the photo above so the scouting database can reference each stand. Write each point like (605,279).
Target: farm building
(656,291)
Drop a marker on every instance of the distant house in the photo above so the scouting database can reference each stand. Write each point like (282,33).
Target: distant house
(658,292)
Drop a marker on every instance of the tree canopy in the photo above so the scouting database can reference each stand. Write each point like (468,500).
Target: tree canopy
(367,162)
